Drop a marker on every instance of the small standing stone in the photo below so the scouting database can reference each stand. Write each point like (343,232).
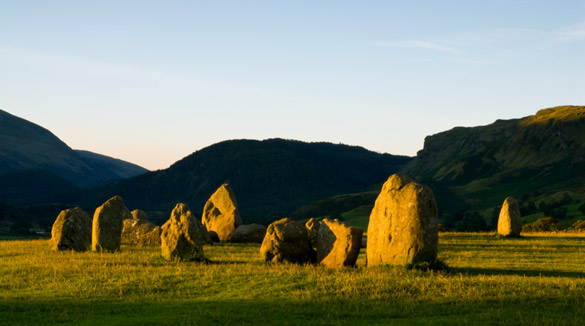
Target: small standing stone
(71,231)
(182,238)
(509,222)
(108,221)
(338,244)
(249,233)
(139,215)
(140,233)
(287,240)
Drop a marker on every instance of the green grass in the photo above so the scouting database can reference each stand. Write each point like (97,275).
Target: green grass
(359,216)
(534,280)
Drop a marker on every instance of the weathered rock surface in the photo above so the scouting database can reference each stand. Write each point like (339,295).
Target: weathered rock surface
(338,244)
(182,238)
(248,233)
(139,215)
(403,224)
(108,221)
(140,233)
(509,222)
(287,240)
(312,226)
(71,231)
(220,213)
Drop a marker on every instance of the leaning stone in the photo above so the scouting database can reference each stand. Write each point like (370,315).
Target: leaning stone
(220,213)
(338,244)
(108,221)
(71,231)
(250,233)
(403,224)
(287,240)
(509,222)
(181,237)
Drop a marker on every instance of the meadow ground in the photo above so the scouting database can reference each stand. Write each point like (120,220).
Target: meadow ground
(535,280)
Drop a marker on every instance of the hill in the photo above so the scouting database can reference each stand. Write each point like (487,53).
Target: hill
(35,165)
(271,178)
(539,159)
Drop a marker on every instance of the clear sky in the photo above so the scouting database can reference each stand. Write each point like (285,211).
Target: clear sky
(153,81)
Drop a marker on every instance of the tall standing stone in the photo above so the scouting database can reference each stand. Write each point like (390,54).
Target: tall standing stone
(403,224)
(108,222)
(338,244)
(221,214)
(182,236)
(71,231)
(287,240)
(509,222)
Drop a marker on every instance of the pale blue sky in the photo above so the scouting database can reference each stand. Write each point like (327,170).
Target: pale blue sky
(153,81)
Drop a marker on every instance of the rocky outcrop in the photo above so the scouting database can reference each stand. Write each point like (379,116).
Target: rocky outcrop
(182,238)
(403,224)
(140,233)
(287,240)
(220,213)
(108,221)
(71,231)
(338,244)
(250,233)
(509,222)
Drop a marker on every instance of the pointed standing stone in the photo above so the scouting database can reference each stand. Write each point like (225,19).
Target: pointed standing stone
(220,213)
(509,222)
(71,231)
(403,224)
(108,221)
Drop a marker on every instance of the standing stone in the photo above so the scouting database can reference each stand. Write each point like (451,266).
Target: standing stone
(287,240)
(108,221)
(139,215)
(509,222)
(220,213)
(250,233)
(182,238)
(312,226)
(403,224)
(71,231)
(338,244)
(140,233)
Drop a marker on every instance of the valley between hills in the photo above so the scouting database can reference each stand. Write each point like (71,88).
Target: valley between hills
(540,160)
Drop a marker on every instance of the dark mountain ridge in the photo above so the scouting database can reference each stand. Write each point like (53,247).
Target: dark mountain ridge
(35,165)
(271,178)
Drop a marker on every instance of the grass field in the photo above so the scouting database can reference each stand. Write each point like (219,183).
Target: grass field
(535,280)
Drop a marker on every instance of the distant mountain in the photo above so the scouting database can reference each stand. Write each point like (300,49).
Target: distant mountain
(539,159)
(271,178)
(35,165)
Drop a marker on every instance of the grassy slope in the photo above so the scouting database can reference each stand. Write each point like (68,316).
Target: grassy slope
(537,280)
